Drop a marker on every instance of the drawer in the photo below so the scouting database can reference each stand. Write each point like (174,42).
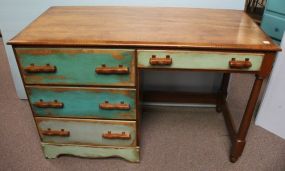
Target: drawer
(75,66)
(273,25)
(198,60)
(87,131)
(108,103)
(277,6)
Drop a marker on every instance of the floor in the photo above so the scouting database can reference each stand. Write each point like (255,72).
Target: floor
(173,138)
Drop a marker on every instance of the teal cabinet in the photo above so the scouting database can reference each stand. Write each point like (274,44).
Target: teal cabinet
(273,21)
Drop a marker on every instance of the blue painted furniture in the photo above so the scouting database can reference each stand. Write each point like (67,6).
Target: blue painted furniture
(273,21)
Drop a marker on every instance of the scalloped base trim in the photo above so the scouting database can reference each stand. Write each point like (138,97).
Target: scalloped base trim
(53,151)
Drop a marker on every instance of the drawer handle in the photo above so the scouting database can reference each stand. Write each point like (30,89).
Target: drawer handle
(276,29)
(123,135)
(40,69)
(112,70)
(61,132)
(160,61)
(52,104)
(116,106)
(240,64)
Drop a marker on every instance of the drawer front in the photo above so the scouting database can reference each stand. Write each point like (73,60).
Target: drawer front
(82,102)
(197,60)
(87,131)
(62,66)
(277,6)
(273,25)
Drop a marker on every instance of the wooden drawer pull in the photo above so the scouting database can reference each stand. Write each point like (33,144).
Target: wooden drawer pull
(112,70)
(160,61)
(40,69)
(53,104)
(110,135)
(116,106)
(240,64)
(61,132)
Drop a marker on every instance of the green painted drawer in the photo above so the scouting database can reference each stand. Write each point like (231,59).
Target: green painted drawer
(76,66)
(82,102)
(273,25)
(86,131)
(198,60)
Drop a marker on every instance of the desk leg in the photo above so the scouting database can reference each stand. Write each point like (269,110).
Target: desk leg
(223,92)
(239,138)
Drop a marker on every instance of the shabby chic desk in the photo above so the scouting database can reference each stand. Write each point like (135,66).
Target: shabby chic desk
(81,70)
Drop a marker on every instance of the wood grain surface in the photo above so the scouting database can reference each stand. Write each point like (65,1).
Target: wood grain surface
(145,27)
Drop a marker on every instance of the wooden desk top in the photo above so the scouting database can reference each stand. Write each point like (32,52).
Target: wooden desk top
(145,27)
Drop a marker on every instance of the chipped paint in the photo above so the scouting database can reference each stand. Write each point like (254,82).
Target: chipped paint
(76,66)
(87,131)
(83,102)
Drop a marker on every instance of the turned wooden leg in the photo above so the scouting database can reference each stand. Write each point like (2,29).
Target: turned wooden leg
(222,93)
(239,139)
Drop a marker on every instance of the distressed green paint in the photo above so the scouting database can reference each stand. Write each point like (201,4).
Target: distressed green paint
(199,60)
(86,131)
(52,151)
(83,102)
(77,68)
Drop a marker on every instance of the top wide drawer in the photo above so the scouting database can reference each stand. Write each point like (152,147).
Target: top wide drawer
(197,60)
(77,66)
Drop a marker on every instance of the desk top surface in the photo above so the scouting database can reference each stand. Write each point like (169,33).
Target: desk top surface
(146,27)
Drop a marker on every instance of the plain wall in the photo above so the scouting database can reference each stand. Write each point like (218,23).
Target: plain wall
(16,14)
(271,114)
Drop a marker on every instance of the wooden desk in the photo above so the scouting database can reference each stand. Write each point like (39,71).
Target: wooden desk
(81,69)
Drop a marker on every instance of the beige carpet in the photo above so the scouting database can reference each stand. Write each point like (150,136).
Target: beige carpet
(173,138)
